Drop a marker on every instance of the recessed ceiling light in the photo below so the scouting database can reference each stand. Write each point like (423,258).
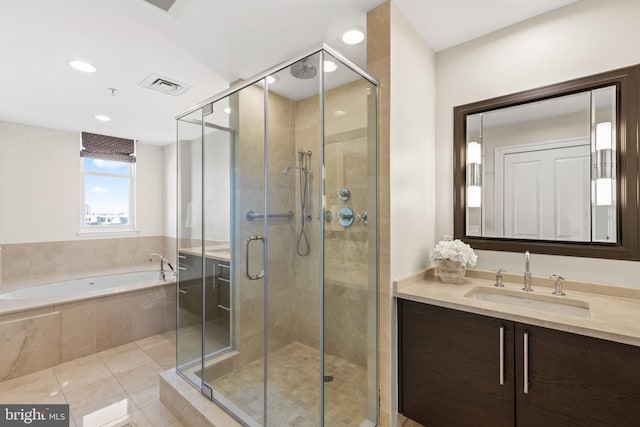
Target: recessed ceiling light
(102,118)
(85,67)
(329,66)
(227,110)
(352,36)
(272,79)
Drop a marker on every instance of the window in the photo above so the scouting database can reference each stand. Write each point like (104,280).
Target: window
(108,183)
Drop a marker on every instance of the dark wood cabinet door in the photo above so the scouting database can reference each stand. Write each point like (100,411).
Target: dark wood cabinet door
(449,367)
(576,380)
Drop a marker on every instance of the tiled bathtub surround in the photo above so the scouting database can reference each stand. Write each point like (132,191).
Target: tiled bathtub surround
(44,337)
(22,261)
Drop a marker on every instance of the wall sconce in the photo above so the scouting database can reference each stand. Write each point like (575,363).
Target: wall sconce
(604,165)
(474,175)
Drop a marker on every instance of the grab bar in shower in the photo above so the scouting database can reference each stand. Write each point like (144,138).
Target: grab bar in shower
(251,215)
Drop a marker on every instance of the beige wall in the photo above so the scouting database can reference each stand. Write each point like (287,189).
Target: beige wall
(581,39)
(379,65)
(30,264)
(405,66)
(40,186)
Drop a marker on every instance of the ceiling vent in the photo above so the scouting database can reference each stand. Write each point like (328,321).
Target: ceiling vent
(162,4)
(164,85)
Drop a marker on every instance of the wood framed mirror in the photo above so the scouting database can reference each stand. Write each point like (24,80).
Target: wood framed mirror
(552,170)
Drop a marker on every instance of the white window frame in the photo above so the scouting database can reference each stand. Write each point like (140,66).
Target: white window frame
(130,228)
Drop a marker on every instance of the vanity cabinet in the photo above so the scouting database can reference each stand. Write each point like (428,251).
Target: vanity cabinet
(449,367)
(463,369)
(190,275)
(575,380)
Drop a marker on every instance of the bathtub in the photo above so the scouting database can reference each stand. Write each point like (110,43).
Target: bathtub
(44,325)
(86,287)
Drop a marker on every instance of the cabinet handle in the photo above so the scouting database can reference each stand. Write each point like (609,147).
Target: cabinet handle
(501,355)
(526,362)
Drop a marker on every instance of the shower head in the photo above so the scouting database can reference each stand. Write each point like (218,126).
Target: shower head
(303,70)
(285,171)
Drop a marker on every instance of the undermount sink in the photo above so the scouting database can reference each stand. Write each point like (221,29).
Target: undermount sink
(534,300)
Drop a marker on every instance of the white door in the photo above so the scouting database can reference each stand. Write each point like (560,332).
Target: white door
(546,193)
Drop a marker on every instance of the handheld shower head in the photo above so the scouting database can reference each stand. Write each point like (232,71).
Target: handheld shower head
(286,170)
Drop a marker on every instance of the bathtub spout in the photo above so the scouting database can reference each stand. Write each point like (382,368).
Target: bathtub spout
(162,261)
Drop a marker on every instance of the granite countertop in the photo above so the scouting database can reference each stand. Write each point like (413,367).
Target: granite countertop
(614,311)
(219,252)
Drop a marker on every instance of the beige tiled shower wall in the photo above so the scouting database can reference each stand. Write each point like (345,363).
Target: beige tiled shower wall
(249,305)
(346,273)
(307,268)
(23,261)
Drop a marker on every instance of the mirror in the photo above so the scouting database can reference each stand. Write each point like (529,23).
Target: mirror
(544,169)
(551,169)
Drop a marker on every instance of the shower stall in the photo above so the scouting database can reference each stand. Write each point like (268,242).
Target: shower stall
(277,245)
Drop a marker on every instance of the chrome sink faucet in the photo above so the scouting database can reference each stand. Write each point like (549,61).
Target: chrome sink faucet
(558,286)
(498,283)
(527,274)
(163,260)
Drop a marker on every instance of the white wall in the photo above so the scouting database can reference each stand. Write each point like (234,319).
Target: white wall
(412,150)
(169,160)
(40,185)
(150,190)
(581,39)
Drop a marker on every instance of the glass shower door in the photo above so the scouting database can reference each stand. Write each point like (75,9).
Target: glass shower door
(205,281)
(294,246)
(234,376)
(350,287)
(189,237)
(277,243)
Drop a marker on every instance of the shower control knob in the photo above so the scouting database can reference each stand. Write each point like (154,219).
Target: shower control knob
(345,217)
(344,194)
(363,217)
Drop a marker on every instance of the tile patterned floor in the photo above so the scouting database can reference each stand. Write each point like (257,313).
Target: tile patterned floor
(294,389)
(119,387)
(116,387)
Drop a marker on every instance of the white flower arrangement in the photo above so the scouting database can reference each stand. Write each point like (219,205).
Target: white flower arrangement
(455,250)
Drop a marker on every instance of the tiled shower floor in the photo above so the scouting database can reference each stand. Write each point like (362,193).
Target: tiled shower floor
(293,382)
(116,387)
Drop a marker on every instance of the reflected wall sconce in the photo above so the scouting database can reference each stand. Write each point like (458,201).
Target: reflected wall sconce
(474,175)
(604,165)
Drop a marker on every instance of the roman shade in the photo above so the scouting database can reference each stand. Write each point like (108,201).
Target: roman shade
(108,147)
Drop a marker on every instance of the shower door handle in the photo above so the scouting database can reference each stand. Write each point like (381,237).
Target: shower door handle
(247,243)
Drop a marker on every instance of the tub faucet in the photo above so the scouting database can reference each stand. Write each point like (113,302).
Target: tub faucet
(527,274)
(163,260)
